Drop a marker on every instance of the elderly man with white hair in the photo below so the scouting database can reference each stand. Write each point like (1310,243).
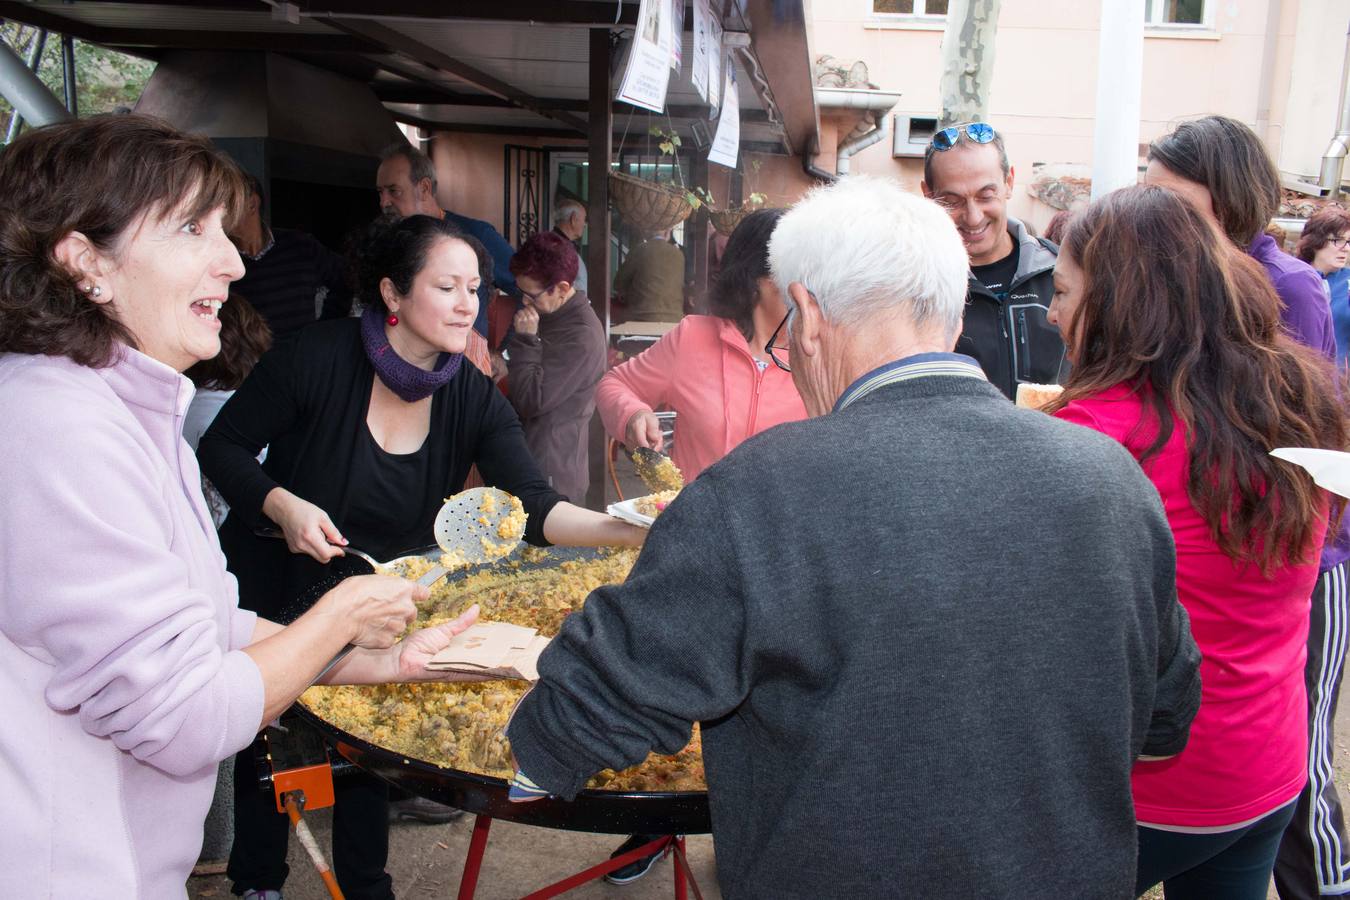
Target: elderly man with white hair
(908,686)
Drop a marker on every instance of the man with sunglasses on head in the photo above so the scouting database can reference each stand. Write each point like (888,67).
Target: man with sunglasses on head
(966,171)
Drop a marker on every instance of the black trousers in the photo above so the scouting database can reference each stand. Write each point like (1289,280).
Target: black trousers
(1314,857)
(360,835)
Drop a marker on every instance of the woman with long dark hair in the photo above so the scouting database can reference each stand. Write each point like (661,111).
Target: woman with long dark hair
(711,370)
(1178,353)
(1221,167)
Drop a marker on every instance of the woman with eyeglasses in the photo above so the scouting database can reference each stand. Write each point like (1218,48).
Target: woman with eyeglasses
(714,371)
(555,357)
(722,379)
(1178,354)
(1325,245)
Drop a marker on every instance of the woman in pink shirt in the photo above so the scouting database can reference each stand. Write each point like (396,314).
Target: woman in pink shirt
(716,374)
(1179,355)
(713,371)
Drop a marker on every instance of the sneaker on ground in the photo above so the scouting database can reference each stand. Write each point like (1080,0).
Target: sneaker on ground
(638,867)
(268,894)
(420,809)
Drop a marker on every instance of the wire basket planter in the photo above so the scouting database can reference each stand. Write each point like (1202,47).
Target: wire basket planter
(647,205)
(726,220)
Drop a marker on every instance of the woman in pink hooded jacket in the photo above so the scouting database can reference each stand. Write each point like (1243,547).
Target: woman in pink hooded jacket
(713,371)
(716,374)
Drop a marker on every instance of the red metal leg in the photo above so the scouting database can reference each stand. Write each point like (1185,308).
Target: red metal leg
(677,851)
(599,870)
(468,882)
(684,876)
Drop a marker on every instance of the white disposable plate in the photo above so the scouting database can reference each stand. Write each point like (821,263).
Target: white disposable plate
(627,511)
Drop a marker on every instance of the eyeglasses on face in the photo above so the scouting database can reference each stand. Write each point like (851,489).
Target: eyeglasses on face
(1340,243)
(773,348)
(534,297)
(978,132)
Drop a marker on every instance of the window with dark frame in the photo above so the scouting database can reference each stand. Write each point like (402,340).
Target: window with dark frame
(934,8)
(1176,12)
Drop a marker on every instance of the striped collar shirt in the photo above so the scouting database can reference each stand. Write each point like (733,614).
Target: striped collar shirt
(920,365)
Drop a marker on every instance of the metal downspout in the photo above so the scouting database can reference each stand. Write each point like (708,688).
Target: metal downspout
(856,142)
(876,106)
(1333,158)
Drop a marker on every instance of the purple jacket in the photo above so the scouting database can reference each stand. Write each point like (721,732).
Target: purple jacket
(119,633)
(1307,315)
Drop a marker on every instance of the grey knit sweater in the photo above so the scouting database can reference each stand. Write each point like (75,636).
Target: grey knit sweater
(926,636)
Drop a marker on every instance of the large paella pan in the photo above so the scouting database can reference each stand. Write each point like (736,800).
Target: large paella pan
(443,742)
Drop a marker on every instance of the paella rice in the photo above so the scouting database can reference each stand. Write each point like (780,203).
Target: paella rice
(460,725)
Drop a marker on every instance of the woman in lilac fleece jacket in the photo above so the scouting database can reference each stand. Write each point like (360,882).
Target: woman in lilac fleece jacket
(1220,166)
(130,670)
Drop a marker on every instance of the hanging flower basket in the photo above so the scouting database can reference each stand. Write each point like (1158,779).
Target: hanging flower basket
(726,220)
(646,205)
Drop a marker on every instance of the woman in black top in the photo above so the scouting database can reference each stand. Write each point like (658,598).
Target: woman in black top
(369,424)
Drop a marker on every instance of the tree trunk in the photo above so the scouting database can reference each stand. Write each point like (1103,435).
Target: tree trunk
(968,60)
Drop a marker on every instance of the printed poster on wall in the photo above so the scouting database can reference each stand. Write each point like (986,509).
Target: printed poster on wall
(648,71)
(698,63)
(676,35)
(727,143)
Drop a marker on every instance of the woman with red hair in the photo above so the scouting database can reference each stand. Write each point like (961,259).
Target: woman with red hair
(555,357)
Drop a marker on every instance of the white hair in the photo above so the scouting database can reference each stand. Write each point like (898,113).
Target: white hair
(566,209)
(865,247)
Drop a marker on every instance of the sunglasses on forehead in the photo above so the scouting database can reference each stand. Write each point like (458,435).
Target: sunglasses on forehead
(978,132)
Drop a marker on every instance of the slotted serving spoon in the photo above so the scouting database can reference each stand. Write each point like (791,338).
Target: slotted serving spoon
(468,528)
(469,525)
(657,471)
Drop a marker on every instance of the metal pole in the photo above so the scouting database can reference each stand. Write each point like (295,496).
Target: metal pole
(600,153)
(20,85)
(1120,76)
(1333,158)
(68,75)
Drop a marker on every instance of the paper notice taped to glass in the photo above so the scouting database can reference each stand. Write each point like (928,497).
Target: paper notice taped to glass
(676,35)
(648,71)
(727,142)
(714,66)
(702,47)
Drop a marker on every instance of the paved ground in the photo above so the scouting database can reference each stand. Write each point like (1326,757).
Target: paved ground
(426,860)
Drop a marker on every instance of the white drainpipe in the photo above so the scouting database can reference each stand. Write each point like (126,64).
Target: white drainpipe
(1333,158)
(875,124)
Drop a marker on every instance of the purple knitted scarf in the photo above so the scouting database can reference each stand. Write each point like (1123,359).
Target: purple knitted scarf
(400,376)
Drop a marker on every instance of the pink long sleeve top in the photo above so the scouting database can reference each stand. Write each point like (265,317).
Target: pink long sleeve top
(119,633)
(704,371)
(1248,748)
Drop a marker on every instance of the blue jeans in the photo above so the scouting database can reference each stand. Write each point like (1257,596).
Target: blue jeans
(1234,865)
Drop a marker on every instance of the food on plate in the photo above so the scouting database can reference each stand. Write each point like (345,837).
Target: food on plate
(1037,396)
(460,725)
(654,504)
